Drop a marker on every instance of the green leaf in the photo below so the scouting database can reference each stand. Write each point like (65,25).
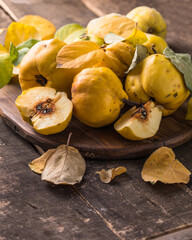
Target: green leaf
(112,38)
(17,53)
(73,36)
(5,69)
(27,44)
(21,55)
(63,32)
(140,54)
(13,53)
(183,63)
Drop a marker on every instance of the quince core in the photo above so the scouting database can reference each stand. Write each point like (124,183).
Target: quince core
(47,110)
(140,123)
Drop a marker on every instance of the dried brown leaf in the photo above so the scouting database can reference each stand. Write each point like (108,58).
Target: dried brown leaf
(107,175)
(162,166)
(64,166)
(38,164)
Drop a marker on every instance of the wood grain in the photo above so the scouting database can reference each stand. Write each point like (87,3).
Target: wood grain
(98,143)
(59,12)
(127,208)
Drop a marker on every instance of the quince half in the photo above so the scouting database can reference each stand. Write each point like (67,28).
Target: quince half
(149,20)
(139,123)
(157,78)
(38,68)
(97,95)
(47,110)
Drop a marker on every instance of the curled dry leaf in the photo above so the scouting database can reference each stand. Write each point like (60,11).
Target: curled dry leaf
(107,175)
(162,166)
(79,55)
(18,33)
(38,164)
(136,37)
(45,28)
(64,166)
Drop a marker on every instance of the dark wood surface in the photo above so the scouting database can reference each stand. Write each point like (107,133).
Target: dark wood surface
(98,143)
(128,208)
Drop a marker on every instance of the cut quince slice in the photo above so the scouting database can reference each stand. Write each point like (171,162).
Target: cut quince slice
(140,123)
(47,110)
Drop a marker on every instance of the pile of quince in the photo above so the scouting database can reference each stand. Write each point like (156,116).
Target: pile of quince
(92,72)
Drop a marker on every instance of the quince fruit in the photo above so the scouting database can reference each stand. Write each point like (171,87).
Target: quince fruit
(155,44)
(92,38)
(118,57)
(38,68)
(140,123)
(111,23)
(157,78)
(97,95)
(47,110)
(149,20)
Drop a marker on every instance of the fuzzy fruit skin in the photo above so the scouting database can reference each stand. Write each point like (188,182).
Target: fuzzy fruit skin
(155,44)
(149,20)
(113,22)
(97,95)
(91,38)
(41,60)
(156,77)
(118,57)
(133,127)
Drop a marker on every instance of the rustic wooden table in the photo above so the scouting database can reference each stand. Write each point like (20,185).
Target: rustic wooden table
(128,208)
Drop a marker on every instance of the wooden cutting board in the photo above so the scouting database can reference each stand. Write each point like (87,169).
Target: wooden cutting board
(101,143)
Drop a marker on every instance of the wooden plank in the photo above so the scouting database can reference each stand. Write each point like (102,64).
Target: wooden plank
(32,209)
(176,13)
(5,20)
(127,208)
(99,143)
(130,208)
(185,234)
(59,12)
(135,209)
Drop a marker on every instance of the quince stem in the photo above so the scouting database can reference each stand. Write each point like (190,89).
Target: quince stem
(131,103)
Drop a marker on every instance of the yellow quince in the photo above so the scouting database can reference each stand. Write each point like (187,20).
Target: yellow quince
(38,68)
(97,96)
(111,23)
(157,78)
(155,44)
(149,20)
(118,57)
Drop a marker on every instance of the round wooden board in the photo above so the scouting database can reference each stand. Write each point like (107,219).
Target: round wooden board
(98,143)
